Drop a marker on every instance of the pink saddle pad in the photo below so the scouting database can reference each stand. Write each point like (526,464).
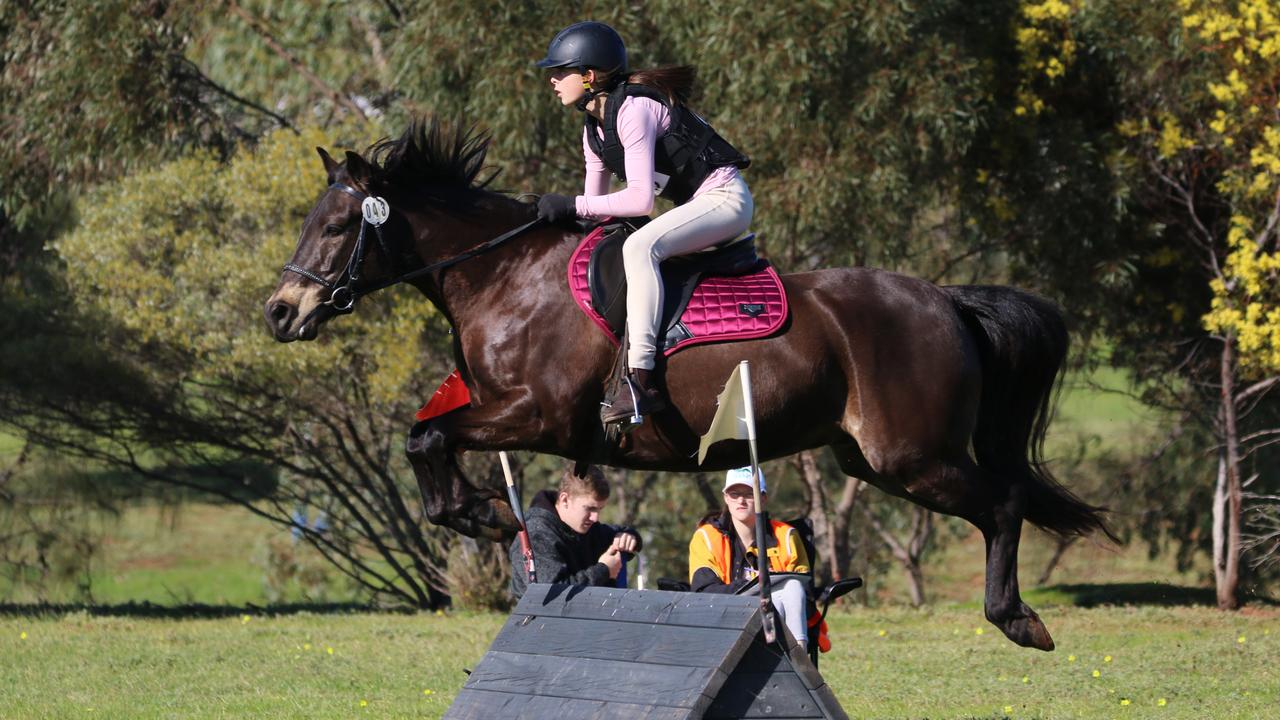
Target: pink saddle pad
(716,310)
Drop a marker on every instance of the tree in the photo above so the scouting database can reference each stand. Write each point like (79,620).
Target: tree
(176,256)
(1212,149)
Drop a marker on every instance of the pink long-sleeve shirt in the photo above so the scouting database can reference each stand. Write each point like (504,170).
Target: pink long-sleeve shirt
(641,121)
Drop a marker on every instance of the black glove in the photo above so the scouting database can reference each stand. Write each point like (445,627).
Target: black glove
(555,208)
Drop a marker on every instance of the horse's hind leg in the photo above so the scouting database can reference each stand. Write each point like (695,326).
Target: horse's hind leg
(448,497)
(1001,526)
(996,508)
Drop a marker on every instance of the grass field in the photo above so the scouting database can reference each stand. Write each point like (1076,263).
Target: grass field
(1179,662)
(229,660)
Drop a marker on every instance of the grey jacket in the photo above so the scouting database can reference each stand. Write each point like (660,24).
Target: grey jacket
(561,555)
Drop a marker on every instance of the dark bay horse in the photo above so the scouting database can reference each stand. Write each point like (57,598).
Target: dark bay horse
(937,395)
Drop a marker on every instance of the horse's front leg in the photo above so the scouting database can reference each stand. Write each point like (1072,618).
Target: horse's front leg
(449,498)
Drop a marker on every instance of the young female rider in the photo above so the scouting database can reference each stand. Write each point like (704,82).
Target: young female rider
(723,552)
(638,127)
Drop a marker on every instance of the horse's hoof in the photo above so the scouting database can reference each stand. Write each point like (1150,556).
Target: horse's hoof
(1028,631)
(494,520)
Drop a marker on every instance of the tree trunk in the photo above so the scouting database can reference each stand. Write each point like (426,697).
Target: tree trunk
(1227,563)
(1063,544)
(831,525)
(910,553)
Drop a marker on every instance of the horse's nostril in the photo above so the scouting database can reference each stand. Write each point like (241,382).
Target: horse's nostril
(280,313)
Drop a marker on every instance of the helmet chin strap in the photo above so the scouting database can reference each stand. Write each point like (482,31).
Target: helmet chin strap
(589,94)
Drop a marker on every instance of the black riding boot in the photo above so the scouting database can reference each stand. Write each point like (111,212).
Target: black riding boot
(638,395)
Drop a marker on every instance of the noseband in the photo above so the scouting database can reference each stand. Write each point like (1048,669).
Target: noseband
(374,212)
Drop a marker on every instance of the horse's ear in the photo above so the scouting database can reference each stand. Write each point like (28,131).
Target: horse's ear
(358,168)
(329,163)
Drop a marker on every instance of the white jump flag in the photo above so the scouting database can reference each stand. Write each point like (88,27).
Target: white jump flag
(733,420)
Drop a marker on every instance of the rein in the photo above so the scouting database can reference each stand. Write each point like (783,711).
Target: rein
(374,213)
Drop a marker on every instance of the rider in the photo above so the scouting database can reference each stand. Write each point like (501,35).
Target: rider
(638,127)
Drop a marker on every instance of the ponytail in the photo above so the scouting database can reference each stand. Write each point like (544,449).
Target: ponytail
(674,81)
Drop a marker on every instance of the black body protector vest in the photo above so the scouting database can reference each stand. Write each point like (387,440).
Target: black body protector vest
(687,153)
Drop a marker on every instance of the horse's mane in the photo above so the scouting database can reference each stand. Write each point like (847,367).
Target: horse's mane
(432,159)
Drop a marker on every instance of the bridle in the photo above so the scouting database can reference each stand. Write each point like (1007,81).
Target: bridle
(374,212)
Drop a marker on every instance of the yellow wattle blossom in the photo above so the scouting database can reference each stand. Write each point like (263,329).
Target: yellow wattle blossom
(1172,139)
(1241,41)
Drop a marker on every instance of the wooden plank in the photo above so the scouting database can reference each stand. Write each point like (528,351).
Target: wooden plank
(761,658)
(809,675)
(764,695)
(708,610)
(830,705)
(489,705)
(608,640)
(589,679)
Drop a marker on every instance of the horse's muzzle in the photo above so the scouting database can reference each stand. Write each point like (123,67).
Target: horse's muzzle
(282,321)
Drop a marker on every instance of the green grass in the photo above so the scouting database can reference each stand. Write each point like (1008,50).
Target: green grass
(1097,405)
(887,663)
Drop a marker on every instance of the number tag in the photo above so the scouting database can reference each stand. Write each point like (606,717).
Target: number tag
(375,210)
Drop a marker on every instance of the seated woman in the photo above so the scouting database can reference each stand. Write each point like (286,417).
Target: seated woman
(723,553)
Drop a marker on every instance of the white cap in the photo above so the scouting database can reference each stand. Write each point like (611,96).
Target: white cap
(742,476)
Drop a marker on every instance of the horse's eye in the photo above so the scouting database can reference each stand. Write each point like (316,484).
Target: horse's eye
(332,229)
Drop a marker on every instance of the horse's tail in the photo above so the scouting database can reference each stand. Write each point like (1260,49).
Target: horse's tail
(1022,340)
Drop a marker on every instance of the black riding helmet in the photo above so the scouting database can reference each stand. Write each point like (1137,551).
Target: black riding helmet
(587,45)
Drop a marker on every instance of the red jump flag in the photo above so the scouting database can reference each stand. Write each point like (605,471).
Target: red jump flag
(451,395)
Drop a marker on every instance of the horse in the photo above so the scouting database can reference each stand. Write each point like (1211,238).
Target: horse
(939,395)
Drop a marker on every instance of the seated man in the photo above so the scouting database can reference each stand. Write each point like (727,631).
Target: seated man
(569,543)
(722,553)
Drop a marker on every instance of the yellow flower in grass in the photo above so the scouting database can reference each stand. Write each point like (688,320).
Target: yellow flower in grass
(364,703)
(329,650)
(428,691)
(1008,709)
(1071,658)
(244,619)
(1124,701)
(1161,702)
(882,633)
(23,636)
(1026,678)
(306,646)
(1097,673)
(1106,659)
(978,631)
(1240,639)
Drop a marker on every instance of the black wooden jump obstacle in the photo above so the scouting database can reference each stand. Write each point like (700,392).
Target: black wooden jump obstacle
(570,652)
